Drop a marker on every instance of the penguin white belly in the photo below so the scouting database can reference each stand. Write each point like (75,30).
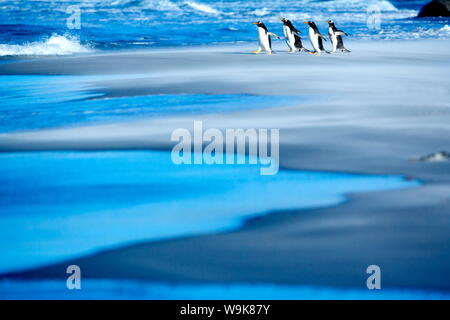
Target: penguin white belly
(333,39)
(314,40)
(289,37)
(264,40)
(286,32)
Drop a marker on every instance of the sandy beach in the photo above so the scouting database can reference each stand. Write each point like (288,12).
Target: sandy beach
(377,110)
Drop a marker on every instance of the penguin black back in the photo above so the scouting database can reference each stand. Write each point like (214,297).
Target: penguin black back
(291,26)
(312,24)
(321,44)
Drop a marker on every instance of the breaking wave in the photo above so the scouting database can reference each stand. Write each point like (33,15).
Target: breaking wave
(202,7)
(55,45)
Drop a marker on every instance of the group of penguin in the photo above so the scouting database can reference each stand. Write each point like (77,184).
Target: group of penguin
(293,38)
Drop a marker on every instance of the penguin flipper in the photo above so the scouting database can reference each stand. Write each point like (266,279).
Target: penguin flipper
(340,43)
(274,35)
(321,36)
(341,33)
(321,48)
(298,42)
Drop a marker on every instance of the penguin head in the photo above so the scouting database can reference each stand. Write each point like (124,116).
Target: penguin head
(330,22)
(259,24)
(312,25)
(284,21)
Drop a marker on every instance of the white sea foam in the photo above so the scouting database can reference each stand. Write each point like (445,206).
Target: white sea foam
(419,33)
(160,5)
(261,12)
(445,28)
(202,7)
(384,5)
(55,45)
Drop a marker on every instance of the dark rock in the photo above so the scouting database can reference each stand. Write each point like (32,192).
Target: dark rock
(436,157)
(436,8)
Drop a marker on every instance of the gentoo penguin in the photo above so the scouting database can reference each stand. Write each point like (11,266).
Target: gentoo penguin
(316,38)
(336,37)
(292,36)
(265,42)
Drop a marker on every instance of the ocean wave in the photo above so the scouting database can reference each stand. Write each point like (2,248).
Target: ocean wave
(202,7)
(416,34)
(445,28)
(159,5)
(443,32)
(261,12)
(383,5)
(351,19)
(165,6)
(55,45)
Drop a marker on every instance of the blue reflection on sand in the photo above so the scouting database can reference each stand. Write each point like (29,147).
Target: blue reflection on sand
(42,101)
(56,205)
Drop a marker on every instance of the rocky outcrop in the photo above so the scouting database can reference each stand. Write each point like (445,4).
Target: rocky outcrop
(436,8)
(436,157)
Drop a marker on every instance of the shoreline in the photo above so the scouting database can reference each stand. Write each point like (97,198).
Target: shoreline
(171,260)
(358,129)
(151,182)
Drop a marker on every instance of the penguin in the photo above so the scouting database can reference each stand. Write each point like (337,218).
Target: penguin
(292,36)
(264,36)
(316,38)
(336,37)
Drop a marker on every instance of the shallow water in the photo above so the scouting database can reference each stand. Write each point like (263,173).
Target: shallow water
(56,205)
(40,102)
(117,289)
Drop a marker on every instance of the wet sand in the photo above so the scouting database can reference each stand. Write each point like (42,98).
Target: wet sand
(375,110)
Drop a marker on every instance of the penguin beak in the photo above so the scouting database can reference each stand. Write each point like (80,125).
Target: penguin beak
(255,22)
(306,22)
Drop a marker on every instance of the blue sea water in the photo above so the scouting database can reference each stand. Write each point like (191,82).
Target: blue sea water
(40,27)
